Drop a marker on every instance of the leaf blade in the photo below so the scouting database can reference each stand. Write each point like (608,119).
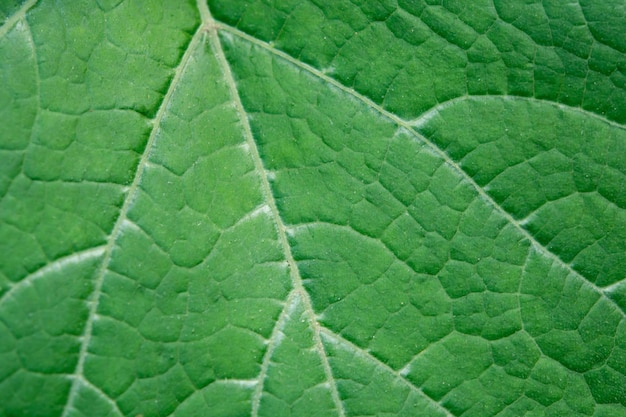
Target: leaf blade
(299,204)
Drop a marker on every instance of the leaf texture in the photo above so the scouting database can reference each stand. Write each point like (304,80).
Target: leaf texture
(312,208)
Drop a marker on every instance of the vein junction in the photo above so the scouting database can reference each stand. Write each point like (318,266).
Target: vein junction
(298,288)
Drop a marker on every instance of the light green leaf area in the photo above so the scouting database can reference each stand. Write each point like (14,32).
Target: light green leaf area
(312,208)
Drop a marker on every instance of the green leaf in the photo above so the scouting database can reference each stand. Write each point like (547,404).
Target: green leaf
(312,208)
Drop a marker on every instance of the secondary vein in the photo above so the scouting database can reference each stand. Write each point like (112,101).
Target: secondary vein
(359,351)
(274,337)
(55,265)
(16,17)
(131,193)
(426,116)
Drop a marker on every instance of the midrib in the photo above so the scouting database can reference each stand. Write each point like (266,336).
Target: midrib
(296,280)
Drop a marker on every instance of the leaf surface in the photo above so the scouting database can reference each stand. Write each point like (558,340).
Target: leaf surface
(312,208)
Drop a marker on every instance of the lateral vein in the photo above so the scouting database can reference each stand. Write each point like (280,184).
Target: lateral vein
(16,17)
(130,196)
(359,351)
(424,117)
(272,344)
(57,264)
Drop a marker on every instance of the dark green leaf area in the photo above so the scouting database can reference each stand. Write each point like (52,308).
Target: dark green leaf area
(407,260)
(557,171)
(411,55)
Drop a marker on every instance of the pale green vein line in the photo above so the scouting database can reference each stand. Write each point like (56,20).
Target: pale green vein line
(430,145)
(16,17)
(334,338)
(311,225)
(406,369)
(273,343)
(426,116)
(519,288)
(117,228)
(247,383)
(258,163)
(284,314)
(102,395)
(614,286)
(31,42)
(258,211)
(54,266)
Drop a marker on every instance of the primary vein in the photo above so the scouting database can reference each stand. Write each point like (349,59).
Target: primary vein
(280,227)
